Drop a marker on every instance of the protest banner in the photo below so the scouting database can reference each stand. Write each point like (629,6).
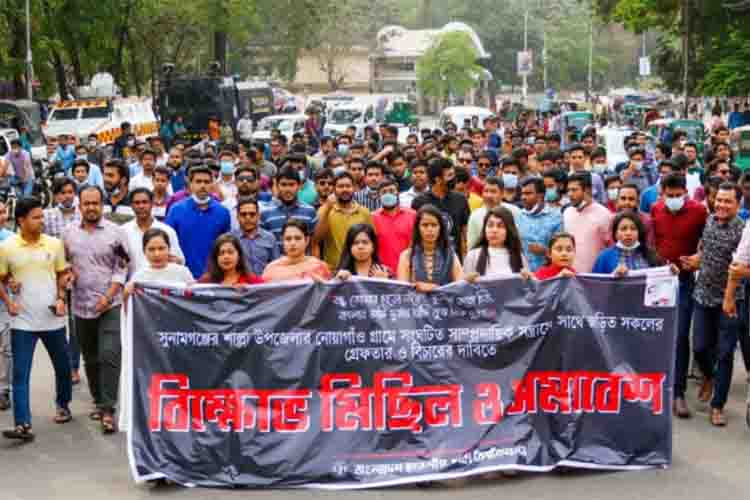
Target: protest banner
(367,383)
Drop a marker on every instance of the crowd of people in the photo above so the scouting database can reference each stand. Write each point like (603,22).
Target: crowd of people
(486,199)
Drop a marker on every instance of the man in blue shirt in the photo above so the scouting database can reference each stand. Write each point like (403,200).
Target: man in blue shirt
(65,153)
(259,245)
(287,205)
(537,222)
(176,166)
(198,221)
(651,195)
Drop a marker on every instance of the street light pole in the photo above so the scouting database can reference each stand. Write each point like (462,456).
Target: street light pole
(525,49)
(591,56)
(29,65)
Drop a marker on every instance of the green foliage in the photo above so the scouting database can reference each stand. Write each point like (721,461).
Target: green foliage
(449,66)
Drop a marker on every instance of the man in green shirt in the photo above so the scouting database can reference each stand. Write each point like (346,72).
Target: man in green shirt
(336,215)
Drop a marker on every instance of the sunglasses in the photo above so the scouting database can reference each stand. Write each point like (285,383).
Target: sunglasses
(246,179)
(482,164)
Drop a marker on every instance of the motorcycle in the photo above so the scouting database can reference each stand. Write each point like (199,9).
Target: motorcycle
(45,174)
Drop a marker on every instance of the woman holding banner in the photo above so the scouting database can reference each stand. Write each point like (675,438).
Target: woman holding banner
(227,265)
(430,261)
(359,257)
(295,264)
(630,251)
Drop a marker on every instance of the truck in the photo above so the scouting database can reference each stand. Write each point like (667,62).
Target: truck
(199,100)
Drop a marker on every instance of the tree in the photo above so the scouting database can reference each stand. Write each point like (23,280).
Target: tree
(449,66)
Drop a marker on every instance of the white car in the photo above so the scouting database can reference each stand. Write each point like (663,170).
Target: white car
(344,116)
(457,115)
(287,125)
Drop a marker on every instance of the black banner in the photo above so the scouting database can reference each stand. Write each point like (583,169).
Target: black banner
(368,383)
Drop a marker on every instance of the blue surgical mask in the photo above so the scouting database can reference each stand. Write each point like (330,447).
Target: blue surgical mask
(343,149)
(551,195)
(338,170)
(389,200)
(227,168)
(675,204)
(510,181)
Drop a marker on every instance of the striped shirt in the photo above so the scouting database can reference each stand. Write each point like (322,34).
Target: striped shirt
(368,198)
(274,217)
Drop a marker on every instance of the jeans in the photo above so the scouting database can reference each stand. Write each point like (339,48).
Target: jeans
(99,339)
(715,342)
(6,360)
(685,307)
(27,188)
(23,344)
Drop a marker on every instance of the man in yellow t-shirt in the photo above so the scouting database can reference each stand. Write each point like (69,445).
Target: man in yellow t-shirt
(37,263)
(336,215)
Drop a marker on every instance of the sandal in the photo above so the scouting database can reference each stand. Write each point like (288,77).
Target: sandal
(63,416)
(718,418)
(108,424)
(95,415)
(22,432)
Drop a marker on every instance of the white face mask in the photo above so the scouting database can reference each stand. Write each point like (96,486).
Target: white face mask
(622,246)
(201,201)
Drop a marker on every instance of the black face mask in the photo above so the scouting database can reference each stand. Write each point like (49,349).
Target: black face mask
(451,184)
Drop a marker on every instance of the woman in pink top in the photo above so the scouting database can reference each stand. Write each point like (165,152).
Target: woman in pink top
(295,265)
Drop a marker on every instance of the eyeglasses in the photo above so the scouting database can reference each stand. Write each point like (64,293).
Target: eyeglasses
(245,178)
(482,164)
(465,160)
(325,183)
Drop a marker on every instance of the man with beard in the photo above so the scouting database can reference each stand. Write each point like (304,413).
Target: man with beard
(337,214)
(177,169)
(117,203)
(97,250)
(198,220)
(286,205)
(454,207)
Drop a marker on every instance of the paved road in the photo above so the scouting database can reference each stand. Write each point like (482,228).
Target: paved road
(76,462)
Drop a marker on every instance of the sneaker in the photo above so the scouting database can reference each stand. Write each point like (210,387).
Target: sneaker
(4,402)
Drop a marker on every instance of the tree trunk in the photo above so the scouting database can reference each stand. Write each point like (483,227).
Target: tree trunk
(16,52)
(121,39)
(220,50)
(686,54)
(62,83)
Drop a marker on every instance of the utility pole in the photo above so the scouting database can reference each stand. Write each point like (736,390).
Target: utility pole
(685,54)
(544,55)
(591,56)
(525,90)
(29,61)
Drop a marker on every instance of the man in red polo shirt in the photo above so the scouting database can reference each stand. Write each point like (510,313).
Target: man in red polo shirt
(393,224)
(678,225)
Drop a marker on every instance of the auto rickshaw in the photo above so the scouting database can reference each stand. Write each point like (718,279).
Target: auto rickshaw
(742,147)
(402,113)
(576,119)
(696,132)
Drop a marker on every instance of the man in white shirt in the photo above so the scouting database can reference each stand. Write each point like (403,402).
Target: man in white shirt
(420,183)
(245,127)
(145,179)
(141,200)
(492,195)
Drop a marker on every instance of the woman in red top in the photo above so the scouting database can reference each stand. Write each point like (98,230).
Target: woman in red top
(562,254)
(227,265)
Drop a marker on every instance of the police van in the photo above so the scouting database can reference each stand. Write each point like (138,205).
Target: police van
(100,111)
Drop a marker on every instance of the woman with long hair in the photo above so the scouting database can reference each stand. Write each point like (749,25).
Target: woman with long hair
(430,261)
(499,248)
(630,251)
(295,264)
(359,257)
(227,264)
